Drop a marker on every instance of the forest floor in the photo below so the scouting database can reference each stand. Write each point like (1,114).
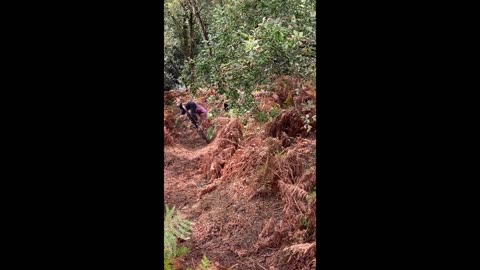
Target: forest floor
(251,191)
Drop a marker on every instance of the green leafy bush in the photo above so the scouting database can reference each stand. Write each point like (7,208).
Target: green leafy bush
(252,40)
(212,99)
(261,117)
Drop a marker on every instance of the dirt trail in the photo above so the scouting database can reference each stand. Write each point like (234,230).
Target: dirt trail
(180,170)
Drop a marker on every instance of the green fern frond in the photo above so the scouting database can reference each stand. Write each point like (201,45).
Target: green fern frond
(205,263)
(182,251)
(174,227)
(167,264)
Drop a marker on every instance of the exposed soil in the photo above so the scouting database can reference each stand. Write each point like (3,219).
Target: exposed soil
(248,192)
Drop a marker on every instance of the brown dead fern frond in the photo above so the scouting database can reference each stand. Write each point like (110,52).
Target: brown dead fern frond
(214,170)
(167,138)
(305,250)
(289,122)
(312,219)
(227,142)
(169,118)
(284,87)
(208,188)
(293,191)
(308,180)
(268,228)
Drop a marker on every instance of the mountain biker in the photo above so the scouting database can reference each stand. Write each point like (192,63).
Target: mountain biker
(194,109)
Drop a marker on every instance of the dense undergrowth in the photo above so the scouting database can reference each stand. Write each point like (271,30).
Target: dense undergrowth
(236,46)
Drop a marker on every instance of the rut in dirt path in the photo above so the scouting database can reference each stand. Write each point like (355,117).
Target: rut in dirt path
(182,162)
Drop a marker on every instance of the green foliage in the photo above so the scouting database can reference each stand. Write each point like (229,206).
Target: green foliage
(177,121)
(182,251)
(252,40)
(312,195)
(261,117)
(174,227)
(205,263)
(274,112)
(210,133)
(304,222)
(212,99)
(167,264)
(234,112)
(288,102)
(180,40)
(308,106)
(308,122)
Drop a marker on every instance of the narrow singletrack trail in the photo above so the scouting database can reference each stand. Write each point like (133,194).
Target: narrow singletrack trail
(181,180)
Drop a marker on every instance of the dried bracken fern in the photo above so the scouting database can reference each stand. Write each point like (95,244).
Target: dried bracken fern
(256,165)
(305,250)
(167,138)
(312,218)
(299,159)
(220,122)
(169,118)
(271,235)
(292,191)
(215,169)
(266,103)
(208,188)
(228,140)
(289,122)
(304,95)
(172,96)
(296,179)
(307,181)
(284,87)
(268,228)
(230,134)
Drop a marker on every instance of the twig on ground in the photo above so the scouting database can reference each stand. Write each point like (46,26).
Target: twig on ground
(230,141)
(261,266)
(233,266)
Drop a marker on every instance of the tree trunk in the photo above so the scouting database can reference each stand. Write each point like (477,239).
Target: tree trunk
(189,36)
(191,40)
(203,30)
(184,38)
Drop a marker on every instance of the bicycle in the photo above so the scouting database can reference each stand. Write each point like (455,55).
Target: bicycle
(195,124)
